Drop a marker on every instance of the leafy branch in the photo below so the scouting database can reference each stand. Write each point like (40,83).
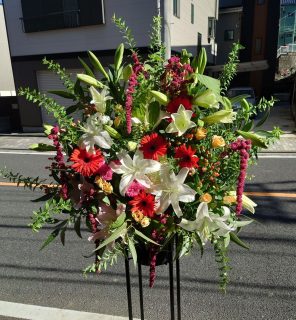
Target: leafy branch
(126,31)
(230,68)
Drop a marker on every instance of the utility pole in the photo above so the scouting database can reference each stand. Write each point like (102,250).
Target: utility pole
(166,26)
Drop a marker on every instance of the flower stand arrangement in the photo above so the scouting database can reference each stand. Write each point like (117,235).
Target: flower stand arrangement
(158,159)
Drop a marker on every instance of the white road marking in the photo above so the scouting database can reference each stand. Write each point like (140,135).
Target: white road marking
(27,152)
(32,312)
(277,155)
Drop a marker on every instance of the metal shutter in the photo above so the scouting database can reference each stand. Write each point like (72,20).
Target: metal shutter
(46,81)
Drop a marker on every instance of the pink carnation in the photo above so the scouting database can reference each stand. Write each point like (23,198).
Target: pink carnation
(105,172)
(134,189)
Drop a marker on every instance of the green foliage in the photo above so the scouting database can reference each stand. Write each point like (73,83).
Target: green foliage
(155,34)
(222,260)
(109,257)
(126,32)
(230,68)
(61,72)
(28,182)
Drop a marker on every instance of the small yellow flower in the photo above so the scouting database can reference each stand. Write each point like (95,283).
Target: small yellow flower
(145,222)
(138,216)
(218,142)
(229,199)
(201,133)
(206,197)
(104,185)
(118,108)
(117,122)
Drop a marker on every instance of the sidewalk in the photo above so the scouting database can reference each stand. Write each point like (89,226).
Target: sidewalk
(280,117)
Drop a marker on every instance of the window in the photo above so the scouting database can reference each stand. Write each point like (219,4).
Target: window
(42,15)
(228,35)
(176,8)
(258,45)
(192,13)
(211,27)
(260,2)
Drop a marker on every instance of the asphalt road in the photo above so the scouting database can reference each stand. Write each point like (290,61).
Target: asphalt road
(263,279)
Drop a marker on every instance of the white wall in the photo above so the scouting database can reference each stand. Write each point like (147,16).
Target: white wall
(183,33)
(6,77)
(137,13)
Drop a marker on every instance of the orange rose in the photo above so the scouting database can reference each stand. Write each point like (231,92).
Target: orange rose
(138,216)
(206,197)
(201,133)
(218,142)
(229,199)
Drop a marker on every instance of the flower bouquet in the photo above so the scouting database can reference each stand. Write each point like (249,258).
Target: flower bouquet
(157,153)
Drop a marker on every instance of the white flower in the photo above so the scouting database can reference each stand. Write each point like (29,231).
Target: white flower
(136,168)
(99,99)
(247,202)
(207,223)
(181,121)
(95,133)
(172,190)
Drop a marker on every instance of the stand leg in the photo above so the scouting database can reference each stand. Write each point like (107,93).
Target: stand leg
(171,273)
(128,288)
(178,289)
(141,291)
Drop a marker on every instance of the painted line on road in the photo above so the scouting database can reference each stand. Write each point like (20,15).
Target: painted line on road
(285,155)
(271,194)
(27,152)
(14,184)
(251,193)
(33,312)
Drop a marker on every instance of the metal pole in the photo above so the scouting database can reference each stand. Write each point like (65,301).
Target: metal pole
(141,291)
(166,27)
(128,287)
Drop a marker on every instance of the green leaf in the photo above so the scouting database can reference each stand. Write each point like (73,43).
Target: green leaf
(44,197)
(119,221)
(256,140)
(63,94)
(89,80)
(97,64)
(238,241)
(78,89)
(133,251)
(209,82)
(73,108)
(140,234)
(77,226)
(263,119)
(127,72)
(63,235)
(160,97)
(221,116)
(47,128)
(118,56)
(54,234)
(41,147)
(153,112)
(238,99)
(202,61)
(115,235)
(86,68)
(248,126)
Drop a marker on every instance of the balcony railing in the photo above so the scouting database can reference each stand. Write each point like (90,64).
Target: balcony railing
(286,49)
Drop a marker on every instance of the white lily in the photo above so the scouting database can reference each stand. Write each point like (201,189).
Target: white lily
(99,99)
(247,202)
(207,223)
(181,121)
(172,190)
(134,169)
(95,133)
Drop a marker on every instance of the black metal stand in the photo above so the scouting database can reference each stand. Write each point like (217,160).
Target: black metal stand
(171,283)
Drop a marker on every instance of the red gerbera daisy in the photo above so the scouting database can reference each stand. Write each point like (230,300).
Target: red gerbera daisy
(174,104)
(153,146)
(187,157)
(86,163)
(144,202)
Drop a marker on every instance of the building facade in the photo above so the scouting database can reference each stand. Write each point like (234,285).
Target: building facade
(287,24)
(7,88)
(65,29)
(254,23)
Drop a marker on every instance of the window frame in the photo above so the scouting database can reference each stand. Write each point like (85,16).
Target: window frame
(192,13)
(177,8)
(226,32)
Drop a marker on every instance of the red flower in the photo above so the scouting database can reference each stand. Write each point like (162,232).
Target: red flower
(174,104)
(86,163)
(153,146)
(187,157)
(144,202)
